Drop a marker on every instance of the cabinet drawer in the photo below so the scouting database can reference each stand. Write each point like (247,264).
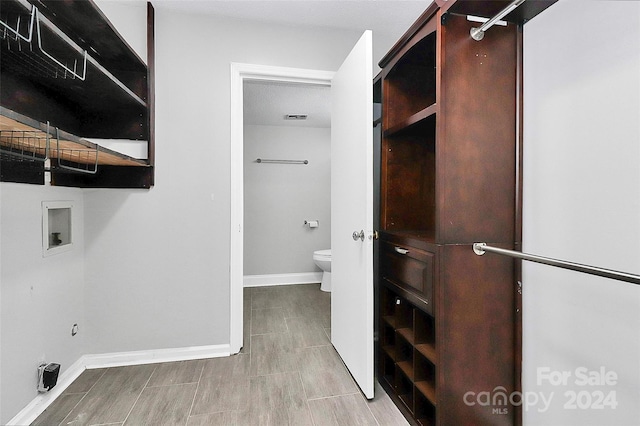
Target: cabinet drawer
(410,268)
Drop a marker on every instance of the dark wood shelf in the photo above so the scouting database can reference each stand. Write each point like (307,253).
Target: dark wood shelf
(428,350)
(429,113)
(22,134)
(407,334)
(391,352)
(409,85)
(391,320)
(407,369)
(427,389)
(488,9)
(82,78)
(412,297)
(77,19)
(407,400)
(404,367)
(111,101)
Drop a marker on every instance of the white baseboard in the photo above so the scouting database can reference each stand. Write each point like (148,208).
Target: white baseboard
(282,279)
(28,414)
(117,359)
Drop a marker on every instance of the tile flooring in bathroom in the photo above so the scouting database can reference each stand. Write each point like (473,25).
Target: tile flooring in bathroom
(287,374)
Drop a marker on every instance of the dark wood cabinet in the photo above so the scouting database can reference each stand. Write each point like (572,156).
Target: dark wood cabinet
(448,320)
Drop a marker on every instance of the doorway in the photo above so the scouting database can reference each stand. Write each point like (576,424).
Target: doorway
(241,73)
(287,181)
(351,203)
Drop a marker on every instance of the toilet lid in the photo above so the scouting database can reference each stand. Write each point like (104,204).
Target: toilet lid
(323,253)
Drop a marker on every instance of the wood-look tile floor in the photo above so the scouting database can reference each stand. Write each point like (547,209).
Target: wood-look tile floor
(288,373)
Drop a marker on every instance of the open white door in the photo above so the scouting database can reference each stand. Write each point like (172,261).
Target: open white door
(352,212)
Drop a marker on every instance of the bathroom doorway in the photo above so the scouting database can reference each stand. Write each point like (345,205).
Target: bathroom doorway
(271,78)
(286,181)
(351,166)
(287,211)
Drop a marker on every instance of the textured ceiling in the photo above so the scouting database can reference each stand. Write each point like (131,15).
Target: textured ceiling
(389,17)
(266,103)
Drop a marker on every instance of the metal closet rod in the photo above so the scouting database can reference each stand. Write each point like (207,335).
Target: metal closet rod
(263,160)
(478,33)
(481,248)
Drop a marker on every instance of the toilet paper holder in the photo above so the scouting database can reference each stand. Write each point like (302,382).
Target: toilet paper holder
(312,223)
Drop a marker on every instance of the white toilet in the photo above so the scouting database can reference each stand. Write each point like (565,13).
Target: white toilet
(322,258)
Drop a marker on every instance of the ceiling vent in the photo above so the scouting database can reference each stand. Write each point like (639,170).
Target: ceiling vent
(295,117)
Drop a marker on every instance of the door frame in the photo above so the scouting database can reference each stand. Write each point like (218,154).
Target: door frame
(239,73)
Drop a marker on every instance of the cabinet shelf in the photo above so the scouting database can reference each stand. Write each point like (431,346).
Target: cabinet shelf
(428,351)
(391,352)
(487,9)
(23,141)
(429,113)
(64,64)
(425,398)
(407,369)
(407,333)
(407,400)
(391,320)
(410,85)
(428,390)
(22,134)
(59,81)
(418,301)
(409,175)
(404,367)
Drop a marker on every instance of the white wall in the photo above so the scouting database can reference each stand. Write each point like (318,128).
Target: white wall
(42,297)
(278,198)
(582,203)
(157,261)
(129,18)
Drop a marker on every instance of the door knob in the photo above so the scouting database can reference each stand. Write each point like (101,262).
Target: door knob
(358,235)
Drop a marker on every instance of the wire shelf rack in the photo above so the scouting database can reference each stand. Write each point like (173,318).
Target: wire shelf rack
(25,145)
(23,49)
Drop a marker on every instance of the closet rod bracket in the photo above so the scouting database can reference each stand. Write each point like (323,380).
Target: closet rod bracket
(477,33)
(478,248)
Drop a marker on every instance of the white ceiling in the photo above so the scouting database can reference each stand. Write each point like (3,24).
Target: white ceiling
(390,17)
(267,103)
